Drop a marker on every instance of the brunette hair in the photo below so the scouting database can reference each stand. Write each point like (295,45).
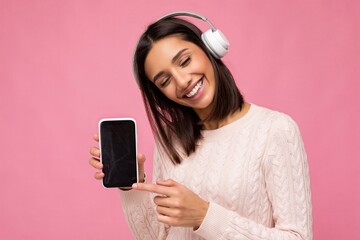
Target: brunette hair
(171,122)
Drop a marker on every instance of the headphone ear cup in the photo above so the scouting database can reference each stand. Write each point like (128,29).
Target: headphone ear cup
(216,42)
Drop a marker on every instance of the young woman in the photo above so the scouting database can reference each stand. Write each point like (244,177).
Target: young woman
(222,168)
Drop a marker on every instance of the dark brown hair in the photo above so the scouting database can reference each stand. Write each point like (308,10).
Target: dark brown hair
(171,122)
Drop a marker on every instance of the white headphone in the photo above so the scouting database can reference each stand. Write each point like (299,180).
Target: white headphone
(214,39)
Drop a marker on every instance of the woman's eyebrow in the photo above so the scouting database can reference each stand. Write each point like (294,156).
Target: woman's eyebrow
(174,59)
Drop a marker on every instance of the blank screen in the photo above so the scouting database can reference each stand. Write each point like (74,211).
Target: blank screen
(118,153)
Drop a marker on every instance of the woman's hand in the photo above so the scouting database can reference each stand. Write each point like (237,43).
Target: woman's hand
(95,162)
(95,159)
(176,204)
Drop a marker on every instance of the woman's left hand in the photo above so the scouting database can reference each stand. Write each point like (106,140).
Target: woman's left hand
(176,204)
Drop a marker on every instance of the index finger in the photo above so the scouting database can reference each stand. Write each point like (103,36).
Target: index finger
(153,188)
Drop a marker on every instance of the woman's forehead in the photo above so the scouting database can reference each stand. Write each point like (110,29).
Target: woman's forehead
(169,45)
(164,50)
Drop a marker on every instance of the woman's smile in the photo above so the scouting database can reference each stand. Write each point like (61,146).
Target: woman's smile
(194,90)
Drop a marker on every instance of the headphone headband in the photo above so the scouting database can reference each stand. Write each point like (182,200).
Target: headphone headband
(189,14)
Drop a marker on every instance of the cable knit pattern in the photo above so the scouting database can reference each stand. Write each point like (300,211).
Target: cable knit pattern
(253,172)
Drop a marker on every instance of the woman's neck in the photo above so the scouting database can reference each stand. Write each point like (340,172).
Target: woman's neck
(211,125)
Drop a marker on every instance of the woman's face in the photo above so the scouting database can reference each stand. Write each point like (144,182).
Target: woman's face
(183,72)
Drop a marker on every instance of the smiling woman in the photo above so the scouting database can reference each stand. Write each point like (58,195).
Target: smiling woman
(223,168)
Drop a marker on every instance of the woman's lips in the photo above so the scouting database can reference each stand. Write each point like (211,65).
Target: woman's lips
(195,89)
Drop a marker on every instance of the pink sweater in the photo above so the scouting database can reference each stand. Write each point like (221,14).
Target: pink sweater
(253,172)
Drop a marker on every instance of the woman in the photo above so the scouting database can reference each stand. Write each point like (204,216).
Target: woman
(224,168)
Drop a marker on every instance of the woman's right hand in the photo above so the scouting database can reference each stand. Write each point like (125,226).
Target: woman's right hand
(95,162)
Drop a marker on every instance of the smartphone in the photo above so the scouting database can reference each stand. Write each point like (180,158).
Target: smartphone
(118,150)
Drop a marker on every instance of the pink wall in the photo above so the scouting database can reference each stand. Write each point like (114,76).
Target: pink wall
(66,64)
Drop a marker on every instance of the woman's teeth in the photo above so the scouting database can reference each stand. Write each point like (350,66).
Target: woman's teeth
(195,90)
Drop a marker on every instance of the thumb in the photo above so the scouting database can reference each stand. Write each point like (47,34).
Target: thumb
(141,159)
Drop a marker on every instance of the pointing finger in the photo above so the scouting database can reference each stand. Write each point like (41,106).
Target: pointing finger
(154,188)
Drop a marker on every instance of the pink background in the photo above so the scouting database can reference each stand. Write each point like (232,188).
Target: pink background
(66,64)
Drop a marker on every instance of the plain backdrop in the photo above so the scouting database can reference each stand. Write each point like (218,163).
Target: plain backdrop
(66,64)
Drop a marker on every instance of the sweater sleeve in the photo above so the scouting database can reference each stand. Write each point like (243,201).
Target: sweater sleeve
(288,188)
(139,210)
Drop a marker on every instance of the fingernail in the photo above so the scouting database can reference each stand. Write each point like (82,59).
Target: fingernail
(134,185)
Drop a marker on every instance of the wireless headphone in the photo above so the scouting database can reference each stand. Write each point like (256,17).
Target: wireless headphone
(214,39)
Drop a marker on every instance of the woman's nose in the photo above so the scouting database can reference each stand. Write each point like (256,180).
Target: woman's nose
(182,79)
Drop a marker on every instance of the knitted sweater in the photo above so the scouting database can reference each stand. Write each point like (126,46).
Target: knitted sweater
(253,172)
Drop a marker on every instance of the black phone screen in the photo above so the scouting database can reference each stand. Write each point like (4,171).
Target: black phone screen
(118,152)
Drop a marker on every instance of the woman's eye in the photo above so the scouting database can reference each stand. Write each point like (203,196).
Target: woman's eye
(164,82)
(185,62)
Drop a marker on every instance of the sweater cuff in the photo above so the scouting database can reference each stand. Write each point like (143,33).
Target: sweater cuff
(215,223)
